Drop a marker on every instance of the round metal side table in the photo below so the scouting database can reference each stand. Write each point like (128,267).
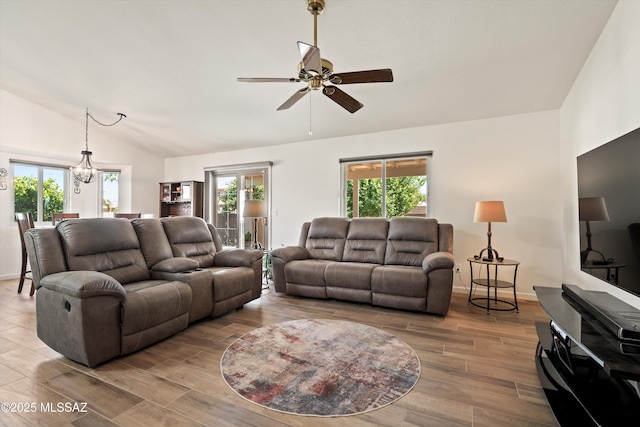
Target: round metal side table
(493,302)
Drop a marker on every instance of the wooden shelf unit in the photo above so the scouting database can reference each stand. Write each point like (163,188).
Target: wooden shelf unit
(184,198)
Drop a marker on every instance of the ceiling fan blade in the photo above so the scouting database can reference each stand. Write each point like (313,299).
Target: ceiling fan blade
(267,80)
(295,98)
(310,57)
(341,98)
(370,76)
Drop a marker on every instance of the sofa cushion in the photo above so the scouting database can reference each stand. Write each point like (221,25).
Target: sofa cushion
(153,310)
(217,241)
(326,238)
(350,281)
(190,237)
(107,245)
(306,272)
(176,265)
(354,275)
(366,240)
(46,255)
(399,280)
(230,282)
(410,240)
(153,241)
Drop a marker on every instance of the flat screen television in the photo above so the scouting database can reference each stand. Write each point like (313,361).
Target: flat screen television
(609,211)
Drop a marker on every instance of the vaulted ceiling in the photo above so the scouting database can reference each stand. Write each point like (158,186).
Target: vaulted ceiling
(171,66)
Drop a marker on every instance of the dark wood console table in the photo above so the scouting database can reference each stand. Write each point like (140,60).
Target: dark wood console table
(590,378)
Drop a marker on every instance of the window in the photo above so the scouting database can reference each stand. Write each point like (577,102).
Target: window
(230,202)
(226,219)
(39,189)
(228,188)
(385,187)
(110,192)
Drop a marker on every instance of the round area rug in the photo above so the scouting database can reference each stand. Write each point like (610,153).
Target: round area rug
(320,367)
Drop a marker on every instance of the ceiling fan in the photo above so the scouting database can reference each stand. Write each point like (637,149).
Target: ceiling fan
(318,72)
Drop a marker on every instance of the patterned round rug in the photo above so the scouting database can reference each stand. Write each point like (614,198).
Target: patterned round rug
(320,367)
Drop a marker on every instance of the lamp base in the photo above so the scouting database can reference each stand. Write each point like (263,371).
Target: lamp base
(255,244)
(603,261)
(489,257)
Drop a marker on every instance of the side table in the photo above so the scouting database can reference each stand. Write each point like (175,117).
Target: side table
(266,268)
(610,267)
(498,304)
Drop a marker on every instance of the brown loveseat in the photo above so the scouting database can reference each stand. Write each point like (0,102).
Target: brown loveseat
(108,287)
(404,262)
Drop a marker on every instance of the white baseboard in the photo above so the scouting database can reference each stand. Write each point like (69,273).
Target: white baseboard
(503,293)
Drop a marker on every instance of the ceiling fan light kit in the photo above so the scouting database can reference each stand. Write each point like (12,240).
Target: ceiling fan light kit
(317,72)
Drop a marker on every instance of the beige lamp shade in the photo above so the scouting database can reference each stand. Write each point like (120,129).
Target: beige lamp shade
(255,209)
(593,209)
(490,211)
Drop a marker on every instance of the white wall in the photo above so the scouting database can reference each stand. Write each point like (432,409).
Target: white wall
(526,160)
(513,158)
(32,133)
(603,104)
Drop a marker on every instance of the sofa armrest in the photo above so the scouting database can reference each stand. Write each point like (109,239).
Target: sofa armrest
(84,284)
(237,257)
(290,253)
(176,265)
(436,261)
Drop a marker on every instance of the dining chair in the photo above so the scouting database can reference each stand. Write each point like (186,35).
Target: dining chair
(25,222)
(127,215)
(57,217)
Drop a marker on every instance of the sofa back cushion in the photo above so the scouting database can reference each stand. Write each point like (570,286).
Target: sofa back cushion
(366,240)
(304,234)
(107,245)
(153,241)
(445,238)
(326,238)
(189,237)
(46,255)
(410,240)
(217,241)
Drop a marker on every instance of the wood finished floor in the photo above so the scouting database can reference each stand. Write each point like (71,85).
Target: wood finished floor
(477,370)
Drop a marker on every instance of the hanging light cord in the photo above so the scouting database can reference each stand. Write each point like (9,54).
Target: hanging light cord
(310,131)
(86,137)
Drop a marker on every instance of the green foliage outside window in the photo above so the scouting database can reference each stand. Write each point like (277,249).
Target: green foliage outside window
(403,195)
(107,204)
(26,196)
(257,192)
(229,200)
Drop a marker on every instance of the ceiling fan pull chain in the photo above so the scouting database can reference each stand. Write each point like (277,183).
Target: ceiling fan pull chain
(310,131)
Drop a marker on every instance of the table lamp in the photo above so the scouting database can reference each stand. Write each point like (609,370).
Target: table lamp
(592,209)
(489,211)
(255,209)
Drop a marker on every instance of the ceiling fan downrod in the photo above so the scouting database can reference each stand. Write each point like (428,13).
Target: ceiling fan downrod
(315,7)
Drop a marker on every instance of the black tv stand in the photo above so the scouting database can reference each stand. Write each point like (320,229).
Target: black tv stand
(590,376)
(621,319)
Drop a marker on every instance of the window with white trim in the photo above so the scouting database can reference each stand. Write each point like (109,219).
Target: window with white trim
(40,189)
(110,190)
(387,186)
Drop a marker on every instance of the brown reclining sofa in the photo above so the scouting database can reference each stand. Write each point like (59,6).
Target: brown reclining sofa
(107,287)
(404,262)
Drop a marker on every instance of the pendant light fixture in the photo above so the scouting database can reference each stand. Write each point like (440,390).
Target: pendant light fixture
(85,171)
